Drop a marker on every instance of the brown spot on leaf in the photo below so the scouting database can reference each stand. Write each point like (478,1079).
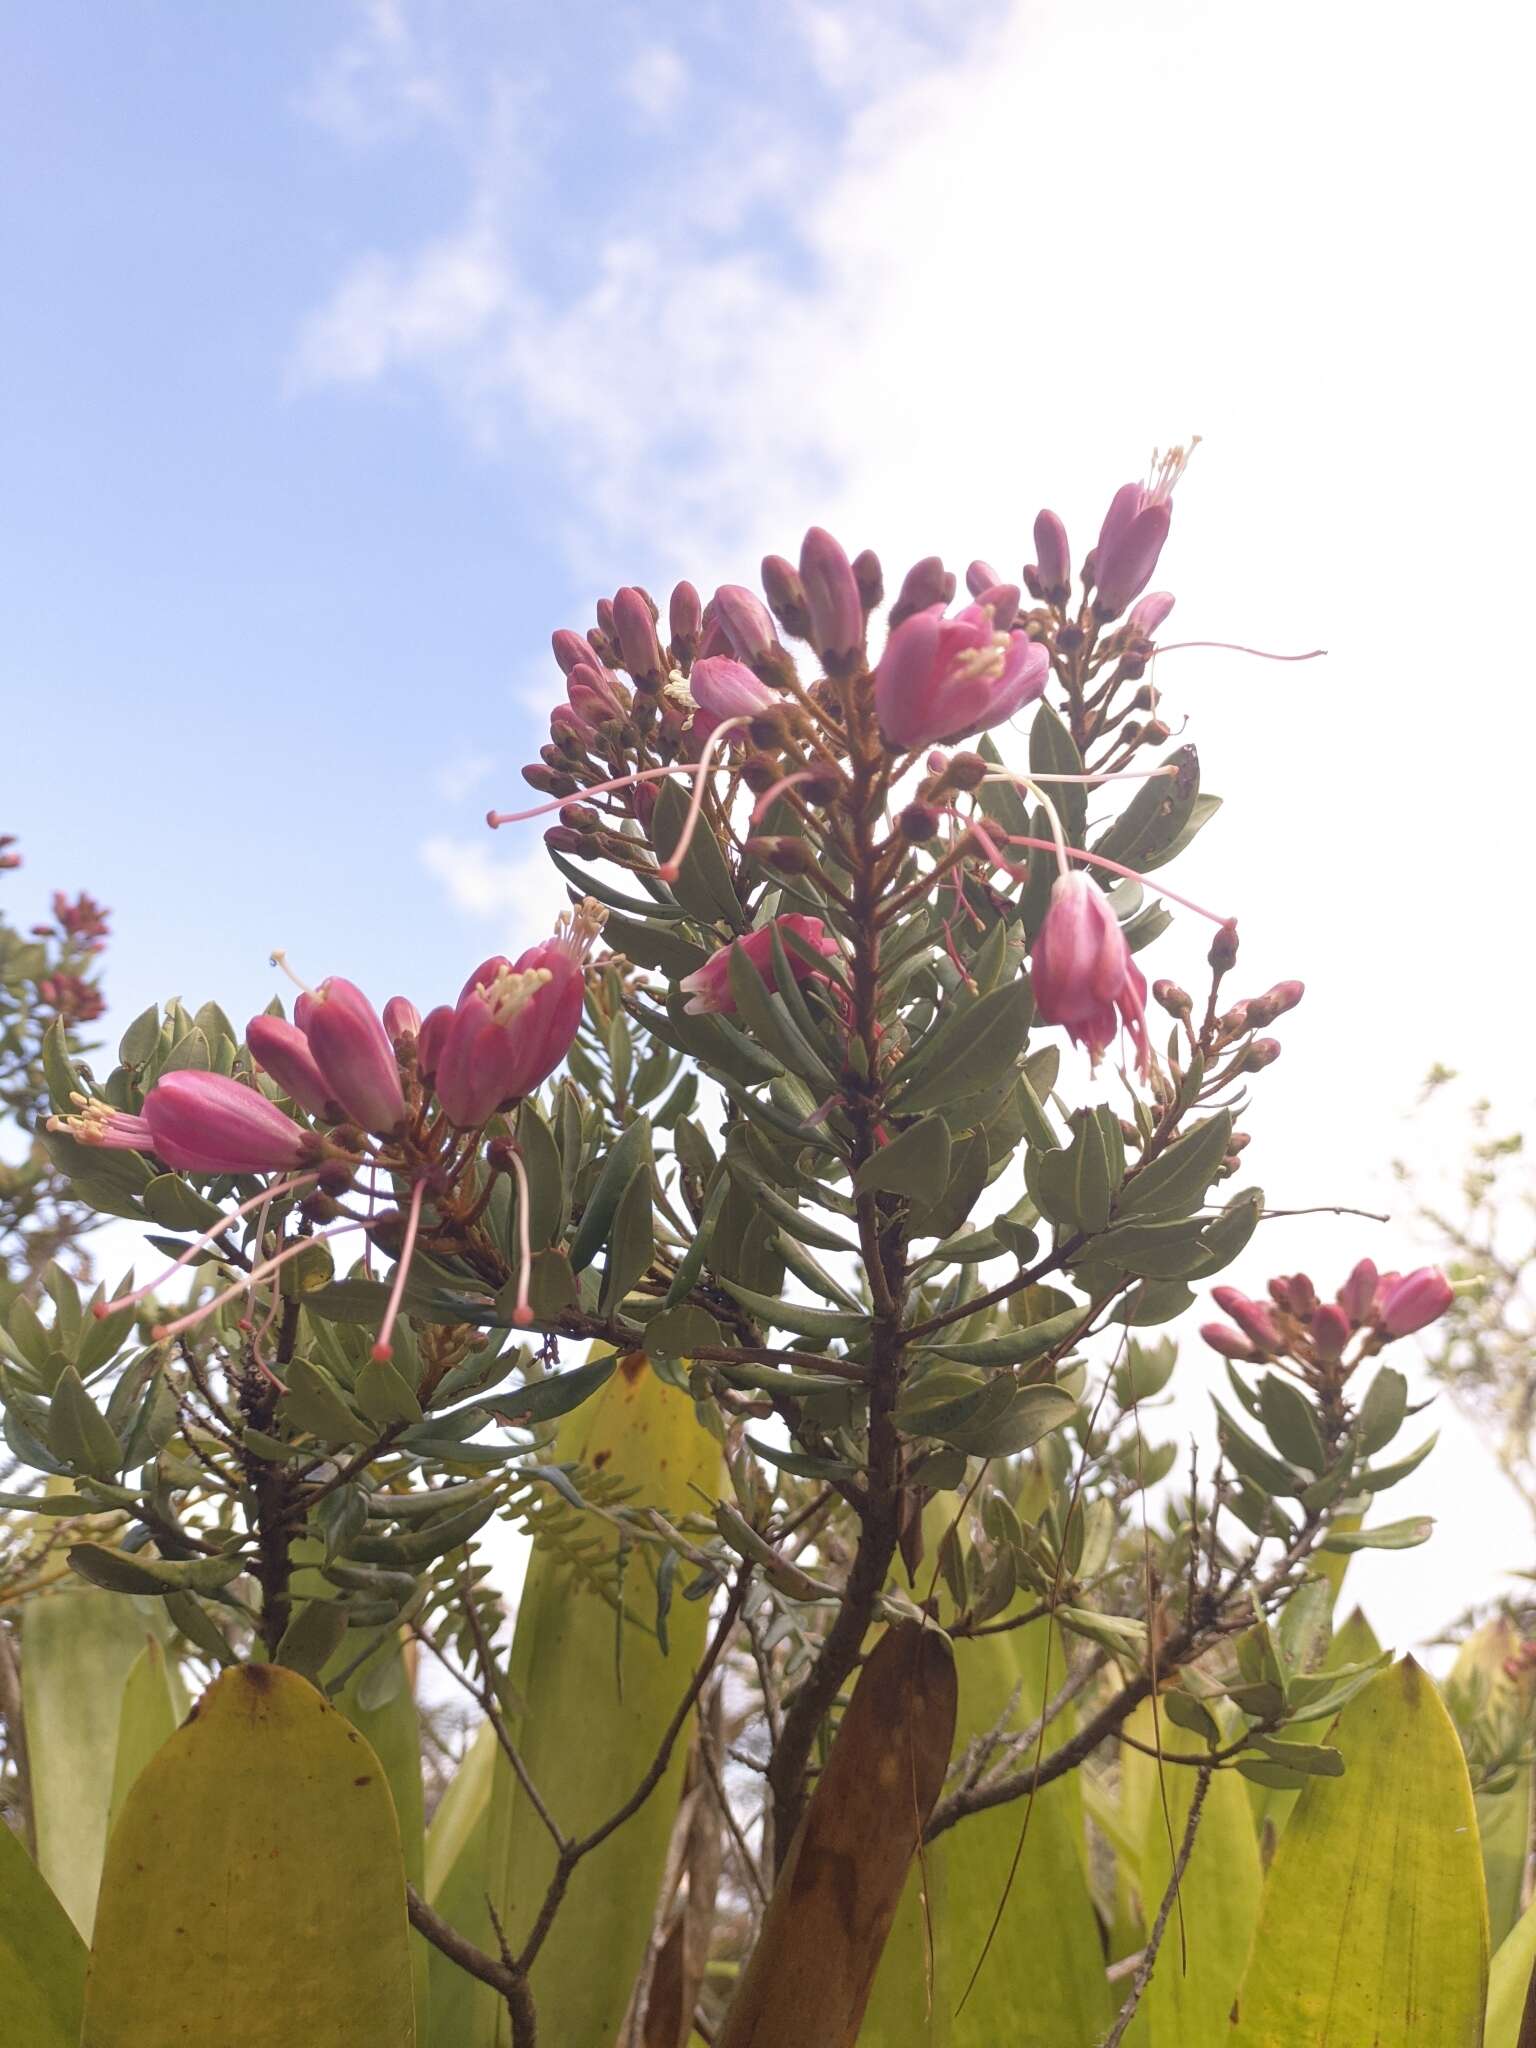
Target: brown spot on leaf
(632,1364)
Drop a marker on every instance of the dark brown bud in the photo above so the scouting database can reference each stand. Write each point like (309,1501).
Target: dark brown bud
(1223,954)
(1156,732)
(549,781)
(387,1230)
(1285,995)
(1131,732)
(870,578)
(918,823)
(564,839)
(784,855)
(1069,639)
(966,771)
(581,817)
(1145,698)
(769,728)
(823,788)
(499,1155)
(320,1207)
(760,772)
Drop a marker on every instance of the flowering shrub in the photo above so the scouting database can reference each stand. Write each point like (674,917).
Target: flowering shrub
(828,1181)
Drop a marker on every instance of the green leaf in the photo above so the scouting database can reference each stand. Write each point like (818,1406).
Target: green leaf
(314,1403)
(1377,1478)
(1053,752)
(59,1069)
(1251,1459)
(1307,1759)
(801,1463)
(385,1396)
(541,1163)
(703,886)
(796,1316)
(79,1433)
(1383,1410)
(1291,1423)
(1077,1186)
(967,1050)
(655,945)
(1374,1926)
(681,1332)
(1509,1983)
(631,1150)
(1175,1182)
(1146,832)
(915,1163)
(632,1240)
(115,1571)
(169,1202)
(137,1045)
(42,1958)
(1021,1345)
(312,1637)
(1387,1536)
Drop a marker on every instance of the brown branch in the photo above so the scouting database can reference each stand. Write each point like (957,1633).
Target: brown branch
(1143,1975)
(506,1980)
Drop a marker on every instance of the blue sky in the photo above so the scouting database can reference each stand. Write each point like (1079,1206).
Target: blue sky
(347,348)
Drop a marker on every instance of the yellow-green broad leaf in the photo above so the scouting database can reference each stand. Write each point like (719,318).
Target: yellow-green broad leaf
(1374,1925)
(153,1703)
(253,1891)
(1503,1818)
(598,1697)
(1353,1642)
(1509,1980)
(379,1699)
(1210,1932)
(42,1958)
(78,1646)
(457,1877)
(1042,1984)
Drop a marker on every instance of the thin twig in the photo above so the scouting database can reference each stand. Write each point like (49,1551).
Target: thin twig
(1143,1974)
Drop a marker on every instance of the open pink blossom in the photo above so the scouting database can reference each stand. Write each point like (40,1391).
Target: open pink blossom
(210,1123)
(943,679)
(1407,1302)
(708,988)
(1083,975)
(1133,534)
(722,688)
(514,1022)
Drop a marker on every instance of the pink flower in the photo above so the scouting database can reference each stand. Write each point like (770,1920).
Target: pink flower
(832,599)
(723,688)
(593,695)
(1083,975)
(926,583)
(353,1053)
(281,1050)
(738,623)
(685,618)
(402,1019)
(1150,613)
(1358,1293)
(1251,1317)
(1132,536)
(1408,1301)
(1330,1330)
(430,1038)
(208,1123)
(514,1023)
(708,988)
(1229,1343)
(980,577)
(942,679)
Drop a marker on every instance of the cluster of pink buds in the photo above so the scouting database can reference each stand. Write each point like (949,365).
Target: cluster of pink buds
(80,920)
(70,996)
(1294,1323)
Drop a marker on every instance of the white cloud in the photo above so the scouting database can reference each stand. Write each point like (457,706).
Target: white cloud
(456,779)
(377,85)
(521,892)
(1009,272)
(655,82)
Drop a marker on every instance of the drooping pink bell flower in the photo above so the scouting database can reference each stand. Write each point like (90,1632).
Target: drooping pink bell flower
(832,600)
(943,679)
(1132,536)
(282,1050)
(209,1123)
(1082,972)
(708,988)
(353,1052)
(1410,1301)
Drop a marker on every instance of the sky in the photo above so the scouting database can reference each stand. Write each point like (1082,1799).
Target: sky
(348,347)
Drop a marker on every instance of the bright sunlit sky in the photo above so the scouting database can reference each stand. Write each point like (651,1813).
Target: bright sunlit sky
(346,349)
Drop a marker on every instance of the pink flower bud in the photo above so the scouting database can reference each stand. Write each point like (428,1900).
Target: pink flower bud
(981,576)
(685,618)
(282,1050)
(1251,1317)
(1001,600)
(569,648)
(635,626)
(941,679)
(832,599)
(594,694)
(1132,536)
(472,1062)
(870,577)
(1330,1330)
(745,622)
(1228,1342)
(353,1053)
(402,1019)
(429,1040)
(786,596)
(926,583)
(1082,972)
(708,988)
(1053,559)
(1409,1301)
(1358,1293)
(1150,613)
(723,688)
(208,1123)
